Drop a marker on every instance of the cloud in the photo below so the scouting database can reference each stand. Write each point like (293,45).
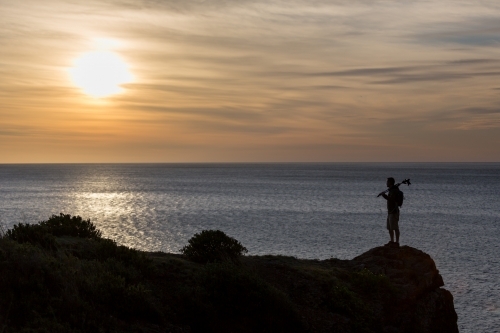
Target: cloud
(322,73)
(474,30)
(464,119)
(445,71)
(14,131)
(481,111)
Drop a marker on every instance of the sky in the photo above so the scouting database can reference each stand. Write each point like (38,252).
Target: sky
(252,81)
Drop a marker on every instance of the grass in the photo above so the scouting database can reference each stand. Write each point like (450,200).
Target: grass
(61,275)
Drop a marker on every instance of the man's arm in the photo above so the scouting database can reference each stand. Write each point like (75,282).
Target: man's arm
(383,195)
(392,195)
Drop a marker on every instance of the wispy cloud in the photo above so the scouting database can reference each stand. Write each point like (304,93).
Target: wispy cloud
(328,77)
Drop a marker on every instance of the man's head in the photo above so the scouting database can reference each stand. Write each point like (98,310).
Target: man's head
(390,182)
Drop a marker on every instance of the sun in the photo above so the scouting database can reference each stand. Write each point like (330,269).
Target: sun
(100,73)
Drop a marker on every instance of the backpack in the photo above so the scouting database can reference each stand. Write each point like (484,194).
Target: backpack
(400,198)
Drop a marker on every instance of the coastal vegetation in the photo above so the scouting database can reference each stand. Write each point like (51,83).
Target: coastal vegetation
(213,246)
(62,275)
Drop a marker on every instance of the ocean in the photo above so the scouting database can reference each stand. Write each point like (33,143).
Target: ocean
(312,210)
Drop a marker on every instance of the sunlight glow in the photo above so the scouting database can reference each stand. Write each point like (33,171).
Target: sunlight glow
(100,73)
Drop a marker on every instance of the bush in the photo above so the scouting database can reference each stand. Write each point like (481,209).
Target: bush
(31,233)
(44,232)
(239,296)
(213,246)
(339,298)
(67,225)
(49,291)
(371,283)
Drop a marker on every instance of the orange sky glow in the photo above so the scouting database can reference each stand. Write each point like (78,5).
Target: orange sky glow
(249,81)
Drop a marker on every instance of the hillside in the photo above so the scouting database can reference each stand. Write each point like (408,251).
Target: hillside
(62,276)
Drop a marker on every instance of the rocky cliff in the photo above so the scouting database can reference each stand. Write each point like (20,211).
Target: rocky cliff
(421,305)
(383,290)
(54,281)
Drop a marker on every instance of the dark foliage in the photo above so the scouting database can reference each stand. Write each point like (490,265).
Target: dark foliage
(49,291)
(213,246)
(31,233)
(237,294)
(84,283)
(44,232)
(67,225)
(373,284)
(61,276)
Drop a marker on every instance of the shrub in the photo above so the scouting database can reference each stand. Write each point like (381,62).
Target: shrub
(371,283)
(339,298)
(213,246)
(44,232)
(31,233)
(48,291)
(67,225)
(241,298)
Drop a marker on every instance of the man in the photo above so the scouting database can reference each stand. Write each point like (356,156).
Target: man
(393,212)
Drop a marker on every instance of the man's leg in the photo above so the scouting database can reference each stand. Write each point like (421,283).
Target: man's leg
(396,227)
(391,233)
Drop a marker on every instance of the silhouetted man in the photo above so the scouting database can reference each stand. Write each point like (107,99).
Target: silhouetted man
(393,212)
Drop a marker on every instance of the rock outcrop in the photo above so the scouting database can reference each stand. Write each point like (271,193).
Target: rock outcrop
(421,305)
(394,290)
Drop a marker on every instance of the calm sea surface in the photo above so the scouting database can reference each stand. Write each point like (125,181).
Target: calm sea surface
(451,211)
